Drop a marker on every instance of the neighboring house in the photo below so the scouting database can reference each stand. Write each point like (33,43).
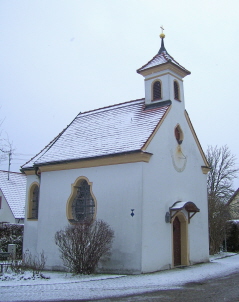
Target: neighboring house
(234,205)
(136,165)
(12,197)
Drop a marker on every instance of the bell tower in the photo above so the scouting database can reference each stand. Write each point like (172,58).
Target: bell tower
(163,77)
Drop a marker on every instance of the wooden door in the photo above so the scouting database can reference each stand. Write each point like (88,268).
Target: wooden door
(177,242)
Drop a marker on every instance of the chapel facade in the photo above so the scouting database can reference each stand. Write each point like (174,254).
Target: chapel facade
(138,166)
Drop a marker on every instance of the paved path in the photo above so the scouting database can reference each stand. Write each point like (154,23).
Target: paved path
(116,286)
(223,289)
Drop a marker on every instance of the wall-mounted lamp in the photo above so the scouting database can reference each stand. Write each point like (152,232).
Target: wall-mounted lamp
(167,217)
(132,212)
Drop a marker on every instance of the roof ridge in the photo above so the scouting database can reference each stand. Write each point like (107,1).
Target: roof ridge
(110,106)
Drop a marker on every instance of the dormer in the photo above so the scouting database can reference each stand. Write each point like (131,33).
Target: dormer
(163,77)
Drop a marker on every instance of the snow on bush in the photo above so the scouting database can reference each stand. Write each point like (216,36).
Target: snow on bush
(29,268)
(11,234)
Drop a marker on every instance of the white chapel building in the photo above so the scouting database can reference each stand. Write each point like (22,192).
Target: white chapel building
(138,166)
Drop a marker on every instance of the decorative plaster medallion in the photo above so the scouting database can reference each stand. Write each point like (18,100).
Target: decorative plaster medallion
(179,159)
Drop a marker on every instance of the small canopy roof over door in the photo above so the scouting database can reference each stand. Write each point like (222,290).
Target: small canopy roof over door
(189,206)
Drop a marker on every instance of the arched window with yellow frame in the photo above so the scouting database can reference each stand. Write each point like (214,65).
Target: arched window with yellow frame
(81,205)
(33,201)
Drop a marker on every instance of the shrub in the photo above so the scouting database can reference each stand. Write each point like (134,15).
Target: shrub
(82,245)
(35,264)
(232,236)
(11,234)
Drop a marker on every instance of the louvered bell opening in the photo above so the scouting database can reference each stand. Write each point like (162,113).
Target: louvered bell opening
(157,91)
(176,91)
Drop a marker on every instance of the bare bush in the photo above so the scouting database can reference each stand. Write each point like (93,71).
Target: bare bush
(17,266)
(82,245)
(35,264)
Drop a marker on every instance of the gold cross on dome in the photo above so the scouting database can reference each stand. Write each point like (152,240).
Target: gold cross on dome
(162,35)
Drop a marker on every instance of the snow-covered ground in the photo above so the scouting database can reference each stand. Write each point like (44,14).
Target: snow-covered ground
(62,286)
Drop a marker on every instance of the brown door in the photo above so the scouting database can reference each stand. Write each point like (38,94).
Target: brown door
(176,242)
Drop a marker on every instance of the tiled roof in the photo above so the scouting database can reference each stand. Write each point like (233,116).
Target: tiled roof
(14,191)
(159,59)
(115,129)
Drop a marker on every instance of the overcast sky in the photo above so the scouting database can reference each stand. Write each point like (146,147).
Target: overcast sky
(62,57)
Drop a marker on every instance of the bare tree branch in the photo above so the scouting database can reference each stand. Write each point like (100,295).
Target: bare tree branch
(220,188)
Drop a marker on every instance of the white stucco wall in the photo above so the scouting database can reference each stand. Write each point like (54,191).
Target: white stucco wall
(117,190)
(163,185)
(5,211)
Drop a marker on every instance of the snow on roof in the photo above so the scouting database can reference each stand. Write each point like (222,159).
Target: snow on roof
(188,205)
(159,59)
(178,205)
(14,191)
(111,130)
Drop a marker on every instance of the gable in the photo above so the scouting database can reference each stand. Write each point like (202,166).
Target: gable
(14,191)
(166,137)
